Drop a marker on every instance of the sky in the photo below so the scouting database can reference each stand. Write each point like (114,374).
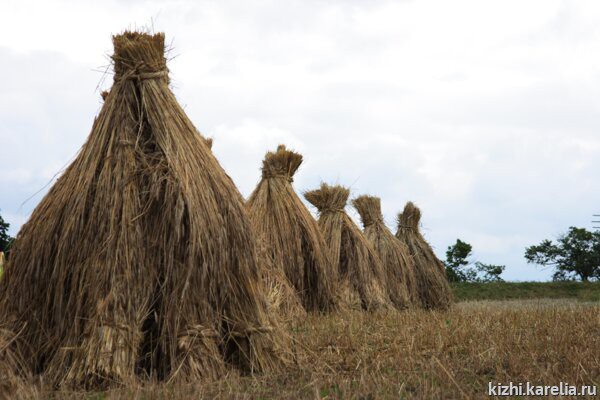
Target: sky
(485,114)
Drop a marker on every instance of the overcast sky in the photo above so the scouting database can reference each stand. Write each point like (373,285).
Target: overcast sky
(486,114)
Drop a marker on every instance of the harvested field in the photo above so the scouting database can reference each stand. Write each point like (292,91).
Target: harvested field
(422,354)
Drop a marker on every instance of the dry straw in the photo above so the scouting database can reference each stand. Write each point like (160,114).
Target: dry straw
(140,261)
(291,234)
(359,268)
(283,299)
(13,376)
(434,290)
(395,257)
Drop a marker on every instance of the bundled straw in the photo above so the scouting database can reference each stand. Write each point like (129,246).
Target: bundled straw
(140,261)
(395,257)
(283,300)
(434,290)
(13,373)
(360,271)
(291,234)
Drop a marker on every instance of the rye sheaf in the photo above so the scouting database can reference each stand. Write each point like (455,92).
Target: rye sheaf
(433,288)
(293,241)
(397,262)
(140,262)
(360,272)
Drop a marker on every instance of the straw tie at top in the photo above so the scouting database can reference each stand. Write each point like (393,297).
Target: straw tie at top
(372,222)
(140,76)
(149,75)
(268,174)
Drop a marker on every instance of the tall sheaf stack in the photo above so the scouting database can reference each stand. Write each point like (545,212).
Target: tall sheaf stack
(291,234)
(395,257)
(434,290)
(360,272)
(140,261)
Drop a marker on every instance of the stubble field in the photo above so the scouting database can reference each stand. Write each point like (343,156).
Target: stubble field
(418,354)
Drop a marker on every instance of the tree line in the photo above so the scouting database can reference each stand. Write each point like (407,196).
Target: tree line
(575,255)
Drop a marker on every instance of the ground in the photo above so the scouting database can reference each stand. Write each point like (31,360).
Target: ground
(429,355)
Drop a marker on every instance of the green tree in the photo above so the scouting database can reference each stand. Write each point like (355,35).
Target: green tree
(575,254)
(489,272)
(460,269)
(457,260)
(5,239)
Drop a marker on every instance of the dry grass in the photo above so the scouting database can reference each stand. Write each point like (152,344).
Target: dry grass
(419,354)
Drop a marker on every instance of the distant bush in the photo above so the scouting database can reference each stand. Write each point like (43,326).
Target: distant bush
(460,269)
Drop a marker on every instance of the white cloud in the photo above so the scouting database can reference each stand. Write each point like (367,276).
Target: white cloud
(238,147)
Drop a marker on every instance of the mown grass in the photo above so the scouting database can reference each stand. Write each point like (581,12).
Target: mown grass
(417,354)
(583,291)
